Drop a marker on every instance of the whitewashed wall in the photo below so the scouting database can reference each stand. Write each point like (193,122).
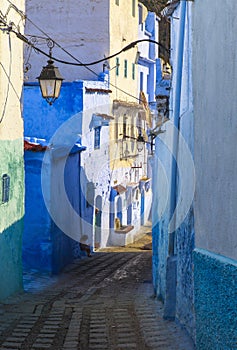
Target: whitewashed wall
(215,105)
(79,27)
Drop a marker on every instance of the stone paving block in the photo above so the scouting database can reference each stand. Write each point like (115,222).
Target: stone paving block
(98,347)
(71,343)
(113,314)
(71,339)
(44,340)
(46,336)
(16,339)
(98,336)
(50,326)
(96,333)
(24,328)
(127,345)
(46,330)
(41,346)
(12,345)
(19,333)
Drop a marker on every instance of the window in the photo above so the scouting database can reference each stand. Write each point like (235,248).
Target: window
(116,131)
(117,66)
(140,14)
(124,126)
(141,81)
(133,71)
(132,135)
(5,188)
(125,68)
(133,8)
(97,138)
(117,2)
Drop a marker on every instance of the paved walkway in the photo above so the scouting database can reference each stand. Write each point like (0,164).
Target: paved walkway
(144,243)
(103,302)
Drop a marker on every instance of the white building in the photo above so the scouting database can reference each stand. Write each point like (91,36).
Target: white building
(11,148)
(90,33)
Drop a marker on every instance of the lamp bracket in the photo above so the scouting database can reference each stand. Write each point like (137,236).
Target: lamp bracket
(50,44)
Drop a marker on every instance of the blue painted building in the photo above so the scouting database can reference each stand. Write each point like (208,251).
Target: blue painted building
(58,208)
(45,246)
(147,52)
(173,178)
(194,258)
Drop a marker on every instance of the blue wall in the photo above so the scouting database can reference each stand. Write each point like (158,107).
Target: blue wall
(173,271)
(37,245)
(160,216)
(215,281)
(45,246)
(42,120)
(185,288)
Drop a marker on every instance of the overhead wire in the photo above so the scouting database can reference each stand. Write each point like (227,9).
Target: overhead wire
(79,63)
(8,77)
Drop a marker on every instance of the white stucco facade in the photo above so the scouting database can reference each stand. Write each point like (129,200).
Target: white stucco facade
(78,27)
(95,159)
(89,32)
(214,86)
(11,122)
(11,148)
(11,59)
(123,29)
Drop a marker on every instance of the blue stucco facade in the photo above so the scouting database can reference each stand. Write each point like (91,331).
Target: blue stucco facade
(50,241)
(37,246)
(160,217)
(42,120)
(173,236)
(45,247)
(185,286)
(148,53)
(215,279)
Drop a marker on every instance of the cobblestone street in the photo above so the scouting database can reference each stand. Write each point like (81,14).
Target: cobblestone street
(103,302)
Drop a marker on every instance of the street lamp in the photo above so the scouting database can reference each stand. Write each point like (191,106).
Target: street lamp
(50,79)
(140,142)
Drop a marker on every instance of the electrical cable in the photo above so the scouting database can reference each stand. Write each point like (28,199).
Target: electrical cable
(24,39)
(58,45)
(41,51)
(128,47)
(9,79)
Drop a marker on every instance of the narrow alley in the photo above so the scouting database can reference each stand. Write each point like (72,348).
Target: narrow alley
(103,302)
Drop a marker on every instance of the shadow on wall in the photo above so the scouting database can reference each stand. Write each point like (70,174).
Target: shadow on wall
(11,260)
(46,247)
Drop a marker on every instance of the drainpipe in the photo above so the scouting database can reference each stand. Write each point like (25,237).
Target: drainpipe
(171,270)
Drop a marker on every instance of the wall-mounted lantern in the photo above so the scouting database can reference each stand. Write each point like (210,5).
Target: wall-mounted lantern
(50,79)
